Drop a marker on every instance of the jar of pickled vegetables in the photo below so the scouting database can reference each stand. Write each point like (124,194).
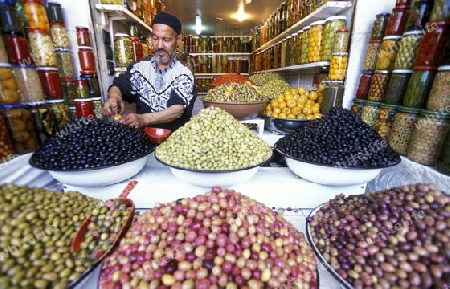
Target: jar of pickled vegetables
(59,35)
(371,57)
(379,26)
(11,22)
(428,136)
(64,63)
(51,82)
(402,127)
(419,14)
(378,87)
(397,86)
(276,55)
(288,51)
(3,52)
(42,49)
(341,38)
(29,83)
(397,20)
(20,127)
(36,14)
(83,36)
(332,25)
(440,11)
(17,48)
(86,58)
(91,78)
(369,112)
(338,66)
(298,48)
(365,80)
(54,13)
(357,106)
(8,86)
(383,122)
(439,97)
(419,86)
(6,148)
(316,41)
(69,90)
(432,48)
(305,45)
(123,50)
(388,52)
(98,107)
(333,95)
(43,121)
(443,161)
(407,51)
(85,108)
(283,53)
(138,52)
(293,49)
(82,88)
(60,112)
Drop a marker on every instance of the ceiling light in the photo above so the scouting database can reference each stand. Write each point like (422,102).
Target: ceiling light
(198,24)
(248,1)
(240,14)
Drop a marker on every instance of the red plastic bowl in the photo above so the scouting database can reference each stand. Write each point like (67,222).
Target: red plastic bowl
(157,135)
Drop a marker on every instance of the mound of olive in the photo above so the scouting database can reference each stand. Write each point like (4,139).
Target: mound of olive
(339,139)
(37,228)
(220,239)
(396,238)
(87,144)
(234,92)
(213,140)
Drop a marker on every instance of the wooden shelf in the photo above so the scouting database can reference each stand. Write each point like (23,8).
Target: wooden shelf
(121,11)
(313,65)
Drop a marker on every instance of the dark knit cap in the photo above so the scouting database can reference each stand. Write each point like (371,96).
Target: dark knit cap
(168,19)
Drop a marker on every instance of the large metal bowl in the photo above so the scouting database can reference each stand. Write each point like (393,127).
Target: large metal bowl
(240,110)
(284,125)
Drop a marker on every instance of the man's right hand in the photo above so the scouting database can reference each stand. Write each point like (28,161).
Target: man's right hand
(114,104)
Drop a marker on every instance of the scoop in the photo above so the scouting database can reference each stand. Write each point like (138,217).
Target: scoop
(81,233)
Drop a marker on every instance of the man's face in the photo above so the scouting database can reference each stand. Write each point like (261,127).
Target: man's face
(165,42)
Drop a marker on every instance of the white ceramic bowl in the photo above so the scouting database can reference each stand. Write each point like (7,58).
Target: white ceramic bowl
(100,177)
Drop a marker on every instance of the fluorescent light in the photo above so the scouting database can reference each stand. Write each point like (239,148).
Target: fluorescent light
(198,24)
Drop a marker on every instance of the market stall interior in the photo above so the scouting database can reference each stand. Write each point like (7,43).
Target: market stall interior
(318,154)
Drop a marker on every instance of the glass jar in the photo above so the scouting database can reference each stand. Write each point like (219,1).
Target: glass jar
(378,87)
(441,10)
(316,41)
(91,78)
(98,107)
(388,53)
(42,49)
(276,55)
(123,50)
(365,80)
(428,136)
(138,52)
(341,38)
(132,29)
(51,82)
(369,112)
(64,63)
(18,48)
(86,58)
(6,148)
(36,14)
(145,51)
(443,161)
(60,112)
(419,14)
(333,95)
(69,90)
(288,51)
(283,53)
(83,36)
(419,86)
(3,52)
(54,13)
(85,108)
(29,83)
(397,86)
(432,48)
(73,112)
(298,48)
(402,127)
(59,35)
(379,26)
(44,122)
(407,51)
(357,106)
(293,49)
(82,88)
(338,66)
(10,20)
(397,20)
(332,25)
(8,86)
(439,97)
(20,128)
(383,122)
(305,45)
(371,57)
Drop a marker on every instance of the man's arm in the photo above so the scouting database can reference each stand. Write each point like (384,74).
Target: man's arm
(164,116)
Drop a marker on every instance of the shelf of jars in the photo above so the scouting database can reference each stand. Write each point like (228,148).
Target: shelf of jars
(328,9)
(214,74)
(220,53)
(121,11)
(314,65)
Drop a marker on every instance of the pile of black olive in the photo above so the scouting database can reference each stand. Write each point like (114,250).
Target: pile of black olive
(338,139)
(89,144)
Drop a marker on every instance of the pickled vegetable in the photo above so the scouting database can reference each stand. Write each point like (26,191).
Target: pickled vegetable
(316,40)
(384,120)
(36,15)
(234,92)
(42,49)
(419,86)
(59,35)
(438,98)
(369,112)
(338,66)
(64,63)
(8,86)
(123,50)
(6,148)
(402,127)
(378,86)
(379,26)
(388,53)
(29,84)
(398,83)
(371,57)
(407,51)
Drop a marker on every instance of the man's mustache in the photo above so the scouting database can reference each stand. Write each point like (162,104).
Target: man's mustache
(161,49)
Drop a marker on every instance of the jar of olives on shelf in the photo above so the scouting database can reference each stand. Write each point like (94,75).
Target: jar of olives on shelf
(123,50)
(60,112)
(439,97)
(20,127)
(305,45)
(388,52)
(43,121)
(82,88)
(98,107)
(419,14)
(86,58)
(85,108)
(316,41)
(36,14)
(357,106)
(333,95)
(397,20)
(9,92)
(419,86)
(365,80)
(332,25)
(378,87)
(383,122)
(42,49)
(17,48)
(396,88)
(83,36)
(440,11)
(29,83)
(137,48)
(6,148)
(341,38)
(338,66)
(371,57)
(432,48)
(407,51)
(298,48)
(3,52)
(91,78)
(11,22)
(51,82)
(370,111)
(443,161)
(64,63)
(428,136)
(59,35)
(379,26)
(69,90)
(292,49)
(402,127)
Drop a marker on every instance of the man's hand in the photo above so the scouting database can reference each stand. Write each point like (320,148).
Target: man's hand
(114,104)
(135,120)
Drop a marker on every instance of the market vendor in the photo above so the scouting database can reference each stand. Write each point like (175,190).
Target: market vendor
(162,87)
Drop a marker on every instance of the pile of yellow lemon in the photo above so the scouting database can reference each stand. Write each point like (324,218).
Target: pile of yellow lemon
(295,103)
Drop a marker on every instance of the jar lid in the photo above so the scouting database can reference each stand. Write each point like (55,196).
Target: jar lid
(79,79)
(62,50)
(338,17)
(51,68)
(402,71)
(425,67)
(81,28)
(54,101)
(343,30)
(368,71)
(318,22)
(33,103)
(382,71)
(388,105)
(130,22)
(87,72)
(392,37)
(375,41)
(339,54)
(371,102)
(408,109)
(85,47)
(70,79)
(35,1)
(72,108)
(434,113)
(82,99)
(123,34)
(13,33)
(57,24)
(5,65)
(418,32)
(358,100)
(401,7)
(307,27)
(24,65)
(288,37)
(95,98)
(38,30)
(443,68)
(134,37)
(10,105)
(383,14)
